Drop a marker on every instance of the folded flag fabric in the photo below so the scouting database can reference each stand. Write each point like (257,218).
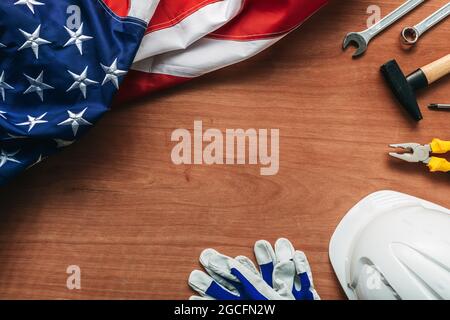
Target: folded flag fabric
(61,61)
(186,39)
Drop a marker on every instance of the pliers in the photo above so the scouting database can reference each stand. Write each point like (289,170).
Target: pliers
(422,153)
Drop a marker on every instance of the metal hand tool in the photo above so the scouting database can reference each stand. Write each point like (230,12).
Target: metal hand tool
(439,106)
(362,39)
(405,87)
(421,153)
(410,35)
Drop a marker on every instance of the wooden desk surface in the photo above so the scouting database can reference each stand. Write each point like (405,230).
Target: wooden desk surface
(115,205)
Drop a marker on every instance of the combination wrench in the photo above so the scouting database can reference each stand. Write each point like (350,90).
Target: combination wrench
(410,35)
(362,39)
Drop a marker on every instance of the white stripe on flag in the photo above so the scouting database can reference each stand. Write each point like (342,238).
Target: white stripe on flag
(143,9)
(195,26)
(205,55)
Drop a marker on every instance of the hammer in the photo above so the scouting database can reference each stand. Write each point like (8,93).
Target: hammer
(404,87)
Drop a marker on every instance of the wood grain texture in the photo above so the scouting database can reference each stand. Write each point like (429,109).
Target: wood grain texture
(437,69)
(115,205)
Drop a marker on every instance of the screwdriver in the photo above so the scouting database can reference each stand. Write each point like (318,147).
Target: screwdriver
(439,106)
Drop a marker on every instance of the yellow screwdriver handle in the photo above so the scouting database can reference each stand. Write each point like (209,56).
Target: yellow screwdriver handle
(439,165)
(440,146)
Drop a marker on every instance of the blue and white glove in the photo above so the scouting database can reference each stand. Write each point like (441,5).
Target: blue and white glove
(228,279)
(284,275)
(291,275)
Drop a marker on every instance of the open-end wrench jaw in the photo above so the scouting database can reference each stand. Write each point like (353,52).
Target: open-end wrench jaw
(358,41)
(362,39)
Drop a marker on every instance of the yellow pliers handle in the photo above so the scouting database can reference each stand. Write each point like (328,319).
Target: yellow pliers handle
(439,164)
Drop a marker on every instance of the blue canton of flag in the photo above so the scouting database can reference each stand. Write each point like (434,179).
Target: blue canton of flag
(56,78)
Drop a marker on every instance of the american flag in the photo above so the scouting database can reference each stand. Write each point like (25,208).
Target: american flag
(186,39)
(62,61)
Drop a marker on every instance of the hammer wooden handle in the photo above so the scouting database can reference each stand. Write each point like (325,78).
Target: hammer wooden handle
(437,69)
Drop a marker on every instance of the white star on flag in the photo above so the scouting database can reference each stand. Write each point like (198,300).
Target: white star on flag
(63,143)
(5,157)
(39,160)
(2,114)
(112,74)
(32,121)
(14,137)
(2,45)
(37,85)
(29,3)
(77,38)
(81,81)
(3,85)
(33,41)
(75,120)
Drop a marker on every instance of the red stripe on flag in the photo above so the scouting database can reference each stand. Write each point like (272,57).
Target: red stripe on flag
(138,84)
(267,18)
(120,7)
(259,20)
(170,13)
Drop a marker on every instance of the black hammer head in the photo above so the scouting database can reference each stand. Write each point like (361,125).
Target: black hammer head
(402,90)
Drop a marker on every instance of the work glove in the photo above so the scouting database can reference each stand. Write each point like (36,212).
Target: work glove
(284,274)
(229,279)
(291,276)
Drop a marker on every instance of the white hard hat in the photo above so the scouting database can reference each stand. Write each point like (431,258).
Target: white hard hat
(393,246)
